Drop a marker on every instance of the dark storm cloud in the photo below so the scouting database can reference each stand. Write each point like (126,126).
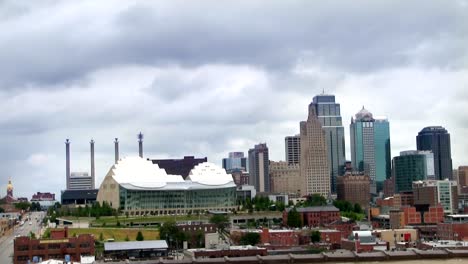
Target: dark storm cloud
(204,78)
(54,49)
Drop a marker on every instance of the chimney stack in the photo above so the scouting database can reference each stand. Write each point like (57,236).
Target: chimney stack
(116,147)
(67,162)
(92,164)
(140,144)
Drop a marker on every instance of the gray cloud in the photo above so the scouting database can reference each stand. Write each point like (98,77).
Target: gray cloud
(206,78)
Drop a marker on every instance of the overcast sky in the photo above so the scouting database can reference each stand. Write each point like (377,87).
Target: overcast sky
(209,77)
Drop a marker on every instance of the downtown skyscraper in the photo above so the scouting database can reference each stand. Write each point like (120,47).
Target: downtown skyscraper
(292,149)
(370,148)
(329,115)
(437,140)
(314,169)
(259,168)
(235,161)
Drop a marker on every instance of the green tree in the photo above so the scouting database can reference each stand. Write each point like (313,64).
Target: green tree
(46,233)
(139,236)
(22,205)
(358,208)
(294,218)
(2,210)
(127,239)
(221,221)
(315,236)
(101,237)
(315,200)
(32,235)
(250,238)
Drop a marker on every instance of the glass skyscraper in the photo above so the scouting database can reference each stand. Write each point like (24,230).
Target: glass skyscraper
(409,166)
(235,161)
(383,169)
(329,115)
(370,147)
(437,140)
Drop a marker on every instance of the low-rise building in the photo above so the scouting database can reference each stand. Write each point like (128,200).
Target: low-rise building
(435,192)
(26,249)
(397,235)
(232,251)
(315,216)
(434,215)
(135,250)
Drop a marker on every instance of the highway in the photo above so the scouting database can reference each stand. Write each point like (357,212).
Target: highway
(6,242)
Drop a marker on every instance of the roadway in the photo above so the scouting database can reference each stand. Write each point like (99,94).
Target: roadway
(6,242)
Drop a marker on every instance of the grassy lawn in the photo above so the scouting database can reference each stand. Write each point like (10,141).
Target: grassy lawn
(112,221)
(119,234)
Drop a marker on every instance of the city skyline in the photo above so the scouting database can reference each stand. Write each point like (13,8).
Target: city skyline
(218,85)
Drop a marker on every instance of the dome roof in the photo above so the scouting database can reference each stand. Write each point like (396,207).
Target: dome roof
(141,172)
(9,186)
(364,114)
(209,174)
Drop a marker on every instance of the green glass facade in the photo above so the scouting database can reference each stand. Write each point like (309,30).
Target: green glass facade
(409,168)
(382,151)
(370,148)
(161,201)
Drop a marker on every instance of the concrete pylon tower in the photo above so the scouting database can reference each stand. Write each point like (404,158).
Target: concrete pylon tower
(67,162)
(92,164)
(140,145)
(116,149)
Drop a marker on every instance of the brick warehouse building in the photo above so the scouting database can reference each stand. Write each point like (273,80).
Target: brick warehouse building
(315,215)
(25,249)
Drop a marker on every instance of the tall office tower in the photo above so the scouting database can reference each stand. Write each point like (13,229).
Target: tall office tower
(67,162)
(92,164)
(437,140)
(315,172)
(292,146)
(370,147)
(235,161)
(328,112)
(259,168)
(411,166)
(383,158)
(285,177)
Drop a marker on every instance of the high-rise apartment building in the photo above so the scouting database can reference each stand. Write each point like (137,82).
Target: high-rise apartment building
(259,175)
(329,115)
(412,166)
(437,140)
(285,177)
(315,172)
(292,150)
(370,147)
(235,161)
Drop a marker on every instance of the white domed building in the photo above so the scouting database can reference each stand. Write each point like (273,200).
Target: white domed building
(138,187)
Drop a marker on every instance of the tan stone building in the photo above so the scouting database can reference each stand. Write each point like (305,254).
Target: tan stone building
(285,178)
(354,188)
(462,179)
(315,172)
